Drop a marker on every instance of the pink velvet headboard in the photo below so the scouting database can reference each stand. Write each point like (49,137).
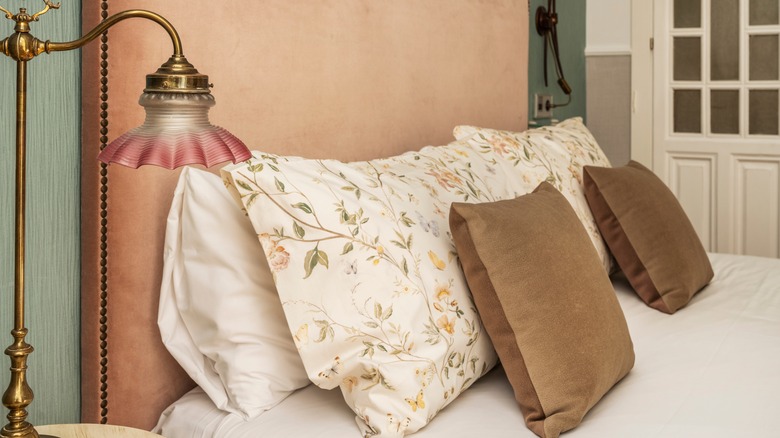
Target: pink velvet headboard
(346,79)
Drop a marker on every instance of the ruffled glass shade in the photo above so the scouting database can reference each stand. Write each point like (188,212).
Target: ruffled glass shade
(176,132)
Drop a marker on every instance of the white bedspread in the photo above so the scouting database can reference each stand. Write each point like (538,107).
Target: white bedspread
(710,370)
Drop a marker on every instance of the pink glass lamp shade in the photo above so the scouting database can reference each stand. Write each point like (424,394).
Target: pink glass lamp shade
(176,132)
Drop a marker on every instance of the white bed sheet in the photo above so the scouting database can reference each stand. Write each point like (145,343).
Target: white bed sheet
(710,370)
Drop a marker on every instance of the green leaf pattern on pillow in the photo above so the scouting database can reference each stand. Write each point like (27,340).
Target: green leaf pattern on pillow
(368,275)
(366,269)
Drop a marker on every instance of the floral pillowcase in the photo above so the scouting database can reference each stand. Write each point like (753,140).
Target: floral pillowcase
(368,276)
(555,154)
(366,269)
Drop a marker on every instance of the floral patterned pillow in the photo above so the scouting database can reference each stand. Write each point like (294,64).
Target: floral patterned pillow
(555,154)
(367,272)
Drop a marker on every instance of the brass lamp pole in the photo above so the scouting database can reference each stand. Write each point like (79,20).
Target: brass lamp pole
(177,79)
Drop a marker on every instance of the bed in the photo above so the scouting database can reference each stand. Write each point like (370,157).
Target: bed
(677,389)
(356,81)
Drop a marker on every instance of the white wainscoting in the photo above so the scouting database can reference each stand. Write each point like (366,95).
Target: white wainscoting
(756,212)
(693,179)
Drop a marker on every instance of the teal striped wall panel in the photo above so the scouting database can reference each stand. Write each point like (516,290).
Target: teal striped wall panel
(52,213)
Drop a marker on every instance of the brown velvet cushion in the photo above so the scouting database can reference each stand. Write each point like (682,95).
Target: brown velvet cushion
(546,302)
(649,234)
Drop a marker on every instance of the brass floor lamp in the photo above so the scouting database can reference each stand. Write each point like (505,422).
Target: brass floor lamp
(176,132)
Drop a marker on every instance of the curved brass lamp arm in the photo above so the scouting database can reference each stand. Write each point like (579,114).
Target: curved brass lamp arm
(114,19)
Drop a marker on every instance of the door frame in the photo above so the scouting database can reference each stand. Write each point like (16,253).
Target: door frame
(642,13)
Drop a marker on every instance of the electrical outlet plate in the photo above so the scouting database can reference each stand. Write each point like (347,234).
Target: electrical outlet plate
(543,106)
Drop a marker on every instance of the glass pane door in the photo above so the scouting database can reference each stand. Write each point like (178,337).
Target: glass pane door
(725,67)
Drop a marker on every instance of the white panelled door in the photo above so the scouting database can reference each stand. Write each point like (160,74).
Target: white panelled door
(717,118)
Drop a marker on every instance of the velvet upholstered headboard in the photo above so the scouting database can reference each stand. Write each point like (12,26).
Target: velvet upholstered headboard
(345,79)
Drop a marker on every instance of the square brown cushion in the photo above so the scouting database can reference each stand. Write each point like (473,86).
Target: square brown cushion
(649,234)
(546,303)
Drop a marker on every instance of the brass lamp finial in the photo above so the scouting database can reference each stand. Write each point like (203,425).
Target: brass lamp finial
(49,5)
(24,17)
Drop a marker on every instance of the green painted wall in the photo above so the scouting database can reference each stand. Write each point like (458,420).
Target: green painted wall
(571,40)
(52,267)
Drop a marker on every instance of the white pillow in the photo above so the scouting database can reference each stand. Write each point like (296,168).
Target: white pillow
(368,276)
(219,313)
